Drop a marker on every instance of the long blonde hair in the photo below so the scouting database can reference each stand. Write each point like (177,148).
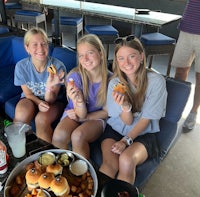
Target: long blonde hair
(136,98)
(102,93)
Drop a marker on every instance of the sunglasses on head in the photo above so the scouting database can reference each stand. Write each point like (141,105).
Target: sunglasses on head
(122,39)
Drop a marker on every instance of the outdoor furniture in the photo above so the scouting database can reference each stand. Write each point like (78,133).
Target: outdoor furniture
(158,44)
(70,24)
(30,15)
(11,9)
(103,29)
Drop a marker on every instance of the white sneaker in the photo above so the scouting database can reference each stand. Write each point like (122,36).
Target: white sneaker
(190,121)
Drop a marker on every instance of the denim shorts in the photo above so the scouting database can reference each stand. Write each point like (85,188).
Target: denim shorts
(149,140)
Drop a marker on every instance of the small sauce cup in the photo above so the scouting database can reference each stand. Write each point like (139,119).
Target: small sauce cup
(78,167)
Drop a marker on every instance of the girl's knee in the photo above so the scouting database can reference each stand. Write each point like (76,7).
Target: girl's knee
(127,161)
(42,118)
(61,135)
(77,136)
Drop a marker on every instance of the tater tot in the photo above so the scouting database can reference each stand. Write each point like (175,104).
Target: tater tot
(19,180)
(88,192)
(84,176)
(83,186)
(81,195)
(73,188)
(90,186)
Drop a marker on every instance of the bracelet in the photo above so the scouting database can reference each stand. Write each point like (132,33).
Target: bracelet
(128,110)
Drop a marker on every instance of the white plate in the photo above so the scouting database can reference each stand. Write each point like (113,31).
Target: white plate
(21,166)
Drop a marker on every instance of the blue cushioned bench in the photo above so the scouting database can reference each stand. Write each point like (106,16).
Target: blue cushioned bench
(158,44)
(4,29)
(103,28)
(30,17)
(11,8)
(70,24)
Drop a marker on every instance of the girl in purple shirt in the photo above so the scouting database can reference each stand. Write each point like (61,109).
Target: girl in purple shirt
(84,118)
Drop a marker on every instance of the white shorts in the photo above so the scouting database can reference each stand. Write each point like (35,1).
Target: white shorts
(187,49)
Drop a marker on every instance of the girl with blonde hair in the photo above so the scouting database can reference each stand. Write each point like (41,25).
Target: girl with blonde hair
(41,98)
(84,118)
(129,137)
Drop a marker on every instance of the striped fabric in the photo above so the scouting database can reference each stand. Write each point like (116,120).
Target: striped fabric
(190,21)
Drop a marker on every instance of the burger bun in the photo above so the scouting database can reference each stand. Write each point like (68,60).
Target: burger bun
(55,168)
(32,176)
(45,180)
(59,186)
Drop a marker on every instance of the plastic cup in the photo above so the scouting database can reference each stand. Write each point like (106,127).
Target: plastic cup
(16,136)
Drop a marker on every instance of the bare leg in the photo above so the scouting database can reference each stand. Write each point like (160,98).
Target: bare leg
(43,121)
(110,165)
(62,133)
(182,73)
(196,101)
(129,159)
(25,111)
(190,121)
(83,135)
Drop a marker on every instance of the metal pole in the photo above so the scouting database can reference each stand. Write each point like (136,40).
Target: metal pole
(3,12)
(57,37)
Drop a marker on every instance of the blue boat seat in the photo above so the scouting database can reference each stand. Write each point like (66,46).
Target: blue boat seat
(4,30)
(158,44)
(11,8)
(70,24)
(30,15)
(103,29)
(13,5)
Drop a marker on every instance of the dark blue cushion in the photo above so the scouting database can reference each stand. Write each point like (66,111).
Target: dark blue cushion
(65,55)
(167,136)
(28,13)
(13,5)
(95,152)
(178,92)
(101,29)
(156,39)
(65,20)
(4,30)
(19,51)
(6,55)
(7,87)
(144,171)
(10,106)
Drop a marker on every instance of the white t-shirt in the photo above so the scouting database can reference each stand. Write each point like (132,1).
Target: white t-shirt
(153,108)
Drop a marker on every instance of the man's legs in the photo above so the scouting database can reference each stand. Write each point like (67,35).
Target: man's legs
(181,74)
(196,101)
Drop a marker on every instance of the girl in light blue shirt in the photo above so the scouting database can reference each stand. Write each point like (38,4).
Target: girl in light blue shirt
(129,137)
(41,97)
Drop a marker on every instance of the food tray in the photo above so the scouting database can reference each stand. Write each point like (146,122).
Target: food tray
(20,168)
